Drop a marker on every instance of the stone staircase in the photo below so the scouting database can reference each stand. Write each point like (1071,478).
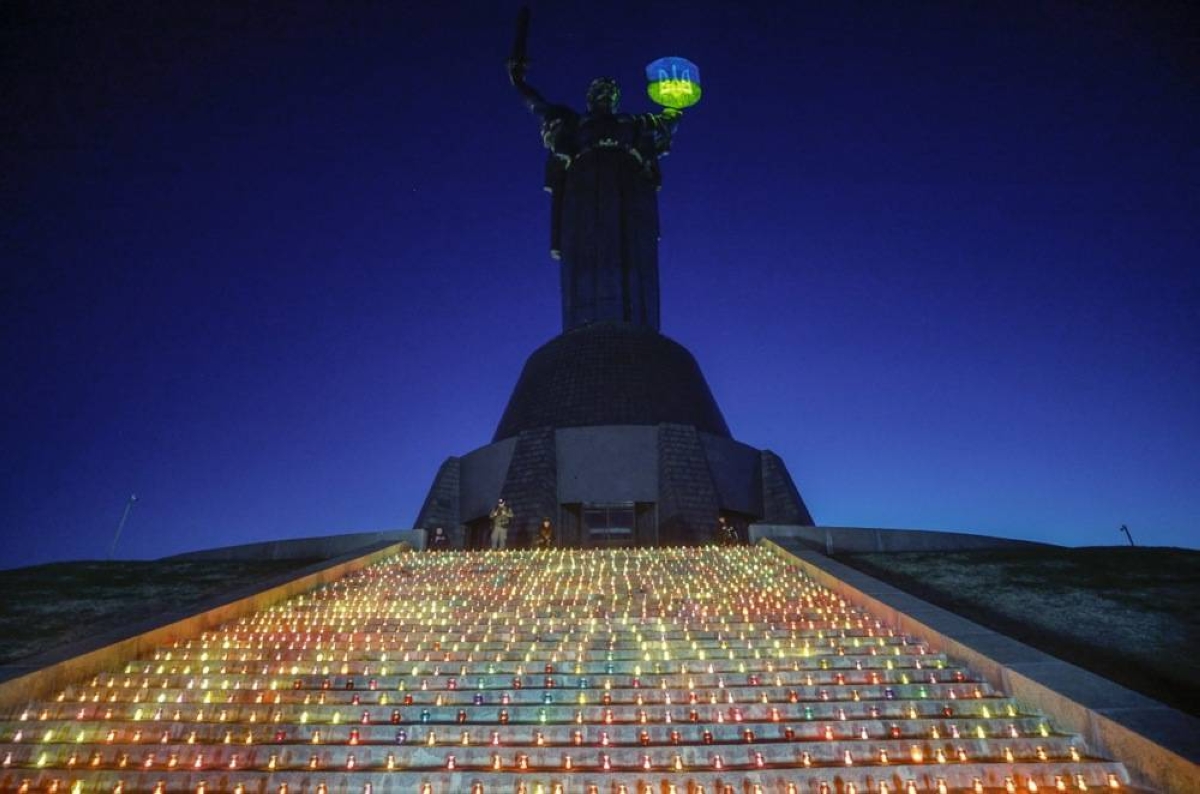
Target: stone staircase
(625,671)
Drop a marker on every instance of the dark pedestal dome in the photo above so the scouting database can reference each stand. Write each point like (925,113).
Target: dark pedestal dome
(611,374)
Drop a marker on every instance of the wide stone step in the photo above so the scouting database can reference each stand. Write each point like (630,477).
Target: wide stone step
(731,778)
(561,731)
(899,701)
(587,749)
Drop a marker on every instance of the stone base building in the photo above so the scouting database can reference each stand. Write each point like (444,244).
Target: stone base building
(613,434)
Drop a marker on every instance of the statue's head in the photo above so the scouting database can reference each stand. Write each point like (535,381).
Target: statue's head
(603,95)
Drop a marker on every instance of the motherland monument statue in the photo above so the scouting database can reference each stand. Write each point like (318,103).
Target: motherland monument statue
(603,176)
(611,436)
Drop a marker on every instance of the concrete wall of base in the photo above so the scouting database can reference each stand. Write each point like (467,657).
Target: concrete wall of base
(607,464)
(736,470)
(688,475)
(482,474)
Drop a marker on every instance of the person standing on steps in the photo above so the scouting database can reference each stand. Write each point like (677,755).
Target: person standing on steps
(501,516)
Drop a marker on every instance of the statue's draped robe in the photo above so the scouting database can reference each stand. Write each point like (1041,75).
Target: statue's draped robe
(603,174)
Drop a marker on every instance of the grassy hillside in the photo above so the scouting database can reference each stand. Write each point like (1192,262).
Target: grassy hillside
(44,606)
(1128,614)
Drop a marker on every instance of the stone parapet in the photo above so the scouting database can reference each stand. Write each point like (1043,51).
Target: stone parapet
(847,540)
(1159,745)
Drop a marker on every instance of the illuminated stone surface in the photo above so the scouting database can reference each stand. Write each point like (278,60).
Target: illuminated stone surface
(639,670)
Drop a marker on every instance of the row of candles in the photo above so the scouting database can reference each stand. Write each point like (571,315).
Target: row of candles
(171,759)
(1011,784)
(555,736)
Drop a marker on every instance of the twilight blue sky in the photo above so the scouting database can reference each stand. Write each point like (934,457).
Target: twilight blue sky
(267,267)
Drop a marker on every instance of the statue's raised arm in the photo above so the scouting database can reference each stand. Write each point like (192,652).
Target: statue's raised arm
(518,65)
(516,75)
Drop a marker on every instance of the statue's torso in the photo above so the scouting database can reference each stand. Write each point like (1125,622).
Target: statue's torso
(603,175)
(573,136)
(608,131)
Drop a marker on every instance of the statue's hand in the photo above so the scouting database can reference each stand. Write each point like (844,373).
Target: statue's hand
(672,114)
(517,67)
(551,127)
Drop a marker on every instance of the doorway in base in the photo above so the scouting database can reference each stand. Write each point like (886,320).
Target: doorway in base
(608,524)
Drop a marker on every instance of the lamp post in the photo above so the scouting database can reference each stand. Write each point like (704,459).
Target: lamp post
(1125,529)
(121,524)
